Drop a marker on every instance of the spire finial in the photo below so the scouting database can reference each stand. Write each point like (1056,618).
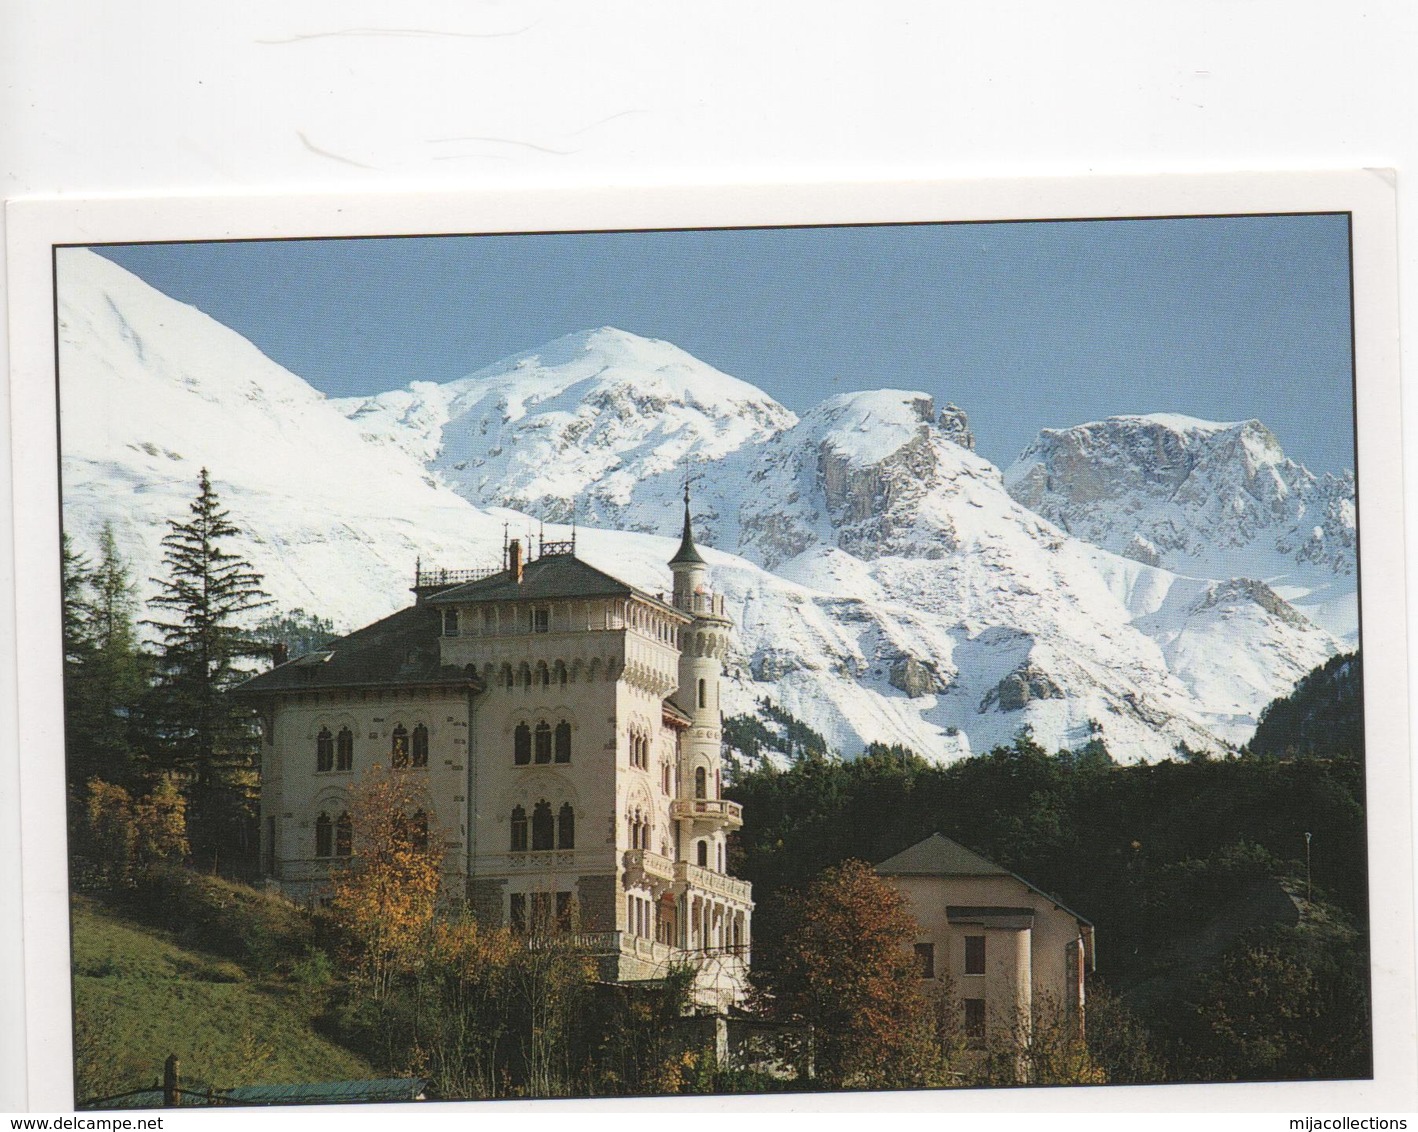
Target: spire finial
(688,552)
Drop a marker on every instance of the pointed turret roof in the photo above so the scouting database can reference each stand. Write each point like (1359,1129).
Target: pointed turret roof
(688,553)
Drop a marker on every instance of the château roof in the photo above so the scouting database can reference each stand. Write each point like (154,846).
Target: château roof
(403,648)
(543,579)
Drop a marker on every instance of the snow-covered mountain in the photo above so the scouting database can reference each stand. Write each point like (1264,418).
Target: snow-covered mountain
(579,423)
(1204,499)
(885,585)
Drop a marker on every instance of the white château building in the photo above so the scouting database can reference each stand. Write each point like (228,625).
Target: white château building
(566,726)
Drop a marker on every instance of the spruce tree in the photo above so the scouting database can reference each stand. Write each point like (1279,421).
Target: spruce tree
(208,737)
(105,671)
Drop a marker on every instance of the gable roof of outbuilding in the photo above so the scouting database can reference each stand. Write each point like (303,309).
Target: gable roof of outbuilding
(939,856)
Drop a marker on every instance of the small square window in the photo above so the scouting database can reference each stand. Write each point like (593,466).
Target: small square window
(974,955)
(925,960)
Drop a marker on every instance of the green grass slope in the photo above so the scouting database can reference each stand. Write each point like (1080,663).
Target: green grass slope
(140,996)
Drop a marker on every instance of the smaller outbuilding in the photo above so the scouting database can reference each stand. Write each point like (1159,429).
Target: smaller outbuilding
(1011,954)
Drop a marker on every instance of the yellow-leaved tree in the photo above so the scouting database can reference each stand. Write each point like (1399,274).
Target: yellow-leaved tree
(385,897)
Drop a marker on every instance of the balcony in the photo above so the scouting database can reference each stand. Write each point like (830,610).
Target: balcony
(715,811)
(645,867)
(717,884)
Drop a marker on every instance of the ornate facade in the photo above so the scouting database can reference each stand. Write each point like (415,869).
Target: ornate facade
(566,730)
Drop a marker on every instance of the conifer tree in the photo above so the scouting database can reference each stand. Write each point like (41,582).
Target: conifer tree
(105,671)
(208,736)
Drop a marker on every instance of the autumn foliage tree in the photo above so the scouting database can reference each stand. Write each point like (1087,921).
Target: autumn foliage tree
(842,966)
(385,898)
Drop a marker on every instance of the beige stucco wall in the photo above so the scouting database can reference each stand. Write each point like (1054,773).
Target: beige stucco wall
(1027,970)
(294,792)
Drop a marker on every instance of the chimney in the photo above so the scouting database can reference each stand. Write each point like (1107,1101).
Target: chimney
(279,654)
(514,554)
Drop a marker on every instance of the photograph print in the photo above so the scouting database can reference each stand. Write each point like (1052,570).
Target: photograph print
(693,661)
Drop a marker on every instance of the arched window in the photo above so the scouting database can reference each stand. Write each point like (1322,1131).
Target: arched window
(543,676)
(522,745)
(344,836)
(543,834)
(399,749)
(324,750)
(519,830)
(703,852)
(563,742)
(566,827)
(703,697)
(543,742)
(524,675)
(420,745)
(324,836)
(344,749)
(418,831)
(559,672)
(701,782)
(665,778)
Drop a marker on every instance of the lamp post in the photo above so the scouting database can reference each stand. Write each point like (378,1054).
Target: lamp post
(1307,868)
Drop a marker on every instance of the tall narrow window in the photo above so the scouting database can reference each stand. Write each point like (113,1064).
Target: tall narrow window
(975,1021)
(703,854)
(450,622)
(344,749)
(517,906)
(665,778)
(418,831)
(522,745)
(974,955)
(543,742)
(541,912)
(925,960)
(703,697)
(344,836)
(543,831)
(519,830)
(420,745)
(324,836)
(566,827)
(701,782)
(559,672)
(563,911)
(399,749)
(563,742)
(541,620)
(543,675)
(324,750)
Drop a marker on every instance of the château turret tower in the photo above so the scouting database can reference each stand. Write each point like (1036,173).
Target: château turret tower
(704,645)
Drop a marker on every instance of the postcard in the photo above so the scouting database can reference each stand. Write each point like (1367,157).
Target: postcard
(795,642)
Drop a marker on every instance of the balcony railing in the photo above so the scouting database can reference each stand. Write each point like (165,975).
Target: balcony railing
(706,880)
(651,865)
(423,578)
(718,810)
(603,943)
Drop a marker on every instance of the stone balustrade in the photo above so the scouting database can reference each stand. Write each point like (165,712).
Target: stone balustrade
(720,811)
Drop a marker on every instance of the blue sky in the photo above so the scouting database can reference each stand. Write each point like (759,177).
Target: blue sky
(1025,326)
